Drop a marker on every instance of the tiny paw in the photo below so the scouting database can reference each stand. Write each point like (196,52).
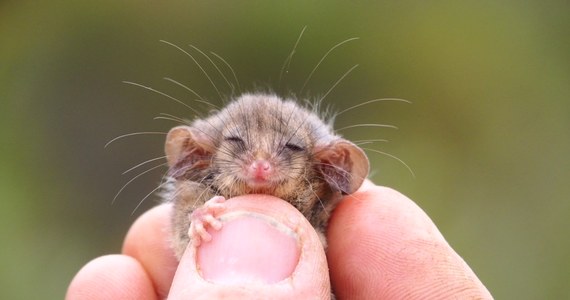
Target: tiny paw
(203,217)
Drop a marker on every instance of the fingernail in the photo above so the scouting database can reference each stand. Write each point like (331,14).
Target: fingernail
(249,247)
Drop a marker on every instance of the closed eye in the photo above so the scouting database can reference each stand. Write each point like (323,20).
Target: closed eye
(234,139)
(294,147)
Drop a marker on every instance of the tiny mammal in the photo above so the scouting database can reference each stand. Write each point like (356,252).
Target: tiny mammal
(258,144)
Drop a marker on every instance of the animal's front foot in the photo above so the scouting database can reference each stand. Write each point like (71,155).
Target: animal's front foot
(204,217)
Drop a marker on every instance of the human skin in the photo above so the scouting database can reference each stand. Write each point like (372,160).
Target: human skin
(381,245)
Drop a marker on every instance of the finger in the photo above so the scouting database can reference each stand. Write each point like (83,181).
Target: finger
(148,242)
(265,250)
(111,277)
(383,246)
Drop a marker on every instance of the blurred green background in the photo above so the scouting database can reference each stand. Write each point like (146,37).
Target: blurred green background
(487,134)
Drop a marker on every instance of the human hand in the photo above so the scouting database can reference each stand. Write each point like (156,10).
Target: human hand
(381,246)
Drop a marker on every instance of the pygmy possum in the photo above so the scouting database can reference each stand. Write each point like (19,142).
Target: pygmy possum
(258,144)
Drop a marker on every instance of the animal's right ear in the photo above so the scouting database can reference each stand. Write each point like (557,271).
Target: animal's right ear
(184,143)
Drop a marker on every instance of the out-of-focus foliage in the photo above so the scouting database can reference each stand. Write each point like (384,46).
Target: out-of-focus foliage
(487,134)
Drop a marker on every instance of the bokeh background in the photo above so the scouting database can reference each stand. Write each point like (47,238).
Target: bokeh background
(487,134)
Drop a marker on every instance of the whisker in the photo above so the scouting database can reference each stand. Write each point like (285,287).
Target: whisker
(144,163)
(351,196)
(322,59)
(215,66)
(363,142)
(394,157)
(373,101)
(230,67)
(338,81)
(198,64)
(367,125)
(293,134)
(134,178)
(170,117)
(132,134)
(201,195)
(201,100)
(345,173)
(147,195)
(319,198)
(369,142)
(163,94)
(287,63)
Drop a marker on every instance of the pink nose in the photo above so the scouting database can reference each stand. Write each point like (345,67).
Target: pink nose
(260,168)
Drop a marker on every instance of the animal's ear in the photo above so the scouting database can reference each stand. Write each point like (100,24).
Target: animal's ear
(186,144)
(343,165)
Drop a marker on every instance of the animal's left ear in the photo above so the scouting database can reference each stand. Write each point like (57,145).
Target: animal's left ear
(343,165)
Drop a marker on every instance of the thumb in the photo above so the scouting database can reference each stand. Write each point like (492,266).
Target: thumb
(265,249)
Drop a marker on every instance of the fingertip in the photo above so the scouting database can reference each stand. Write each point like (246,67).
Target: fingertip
(252,247)
(148,241)
(111,277)
(263,250)
(150,225)
(382,245)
